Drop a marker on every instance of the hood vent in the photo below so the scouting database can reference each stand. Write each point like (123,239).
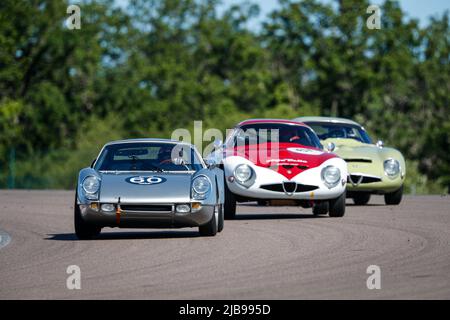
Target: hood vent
(290,166)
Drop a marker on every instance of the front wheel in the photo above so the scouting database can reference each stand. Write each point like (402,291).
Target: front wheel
(337,206)
(210,228)
(83,229)
(229,205)
(394,198)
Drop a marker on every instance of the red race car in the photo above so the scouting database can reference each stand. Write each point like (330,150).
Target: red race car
(271,159)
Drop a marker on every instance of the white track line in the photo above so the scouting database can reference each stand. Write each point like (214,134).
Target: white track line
(4,239)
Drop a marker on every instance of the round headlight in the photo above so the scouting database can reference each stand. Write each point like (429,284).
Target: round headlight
(391,167)
(331,176)
(201,185)
(242,173)
(91,184)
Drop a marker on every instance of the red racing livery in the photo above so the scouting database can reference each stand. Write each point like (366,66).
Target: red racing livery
(273,159)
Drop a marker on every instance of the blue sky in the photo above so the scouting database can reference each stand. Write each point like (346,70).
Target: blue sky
(421,9)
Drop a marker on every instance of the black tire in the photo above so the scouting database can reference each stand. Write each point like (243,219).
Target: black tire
(320,208)
(394,198)
(229,205)
(210,228)
(220,223)
(83,229)
(361,198)
(337,206)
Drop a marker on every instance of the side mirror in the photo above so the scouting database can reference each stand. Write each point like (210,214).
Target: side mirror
(211,163)
(218,144)
(331,146)
(380,144)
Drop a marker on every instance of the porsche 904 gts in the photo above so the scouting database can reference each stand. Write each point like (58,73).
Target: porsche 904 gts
(373,168)
(149,183)
(281,161)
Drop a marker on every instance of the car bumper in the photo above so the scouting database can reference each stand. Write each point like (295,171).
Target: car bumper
(269,184)
(146,219)
(259,192)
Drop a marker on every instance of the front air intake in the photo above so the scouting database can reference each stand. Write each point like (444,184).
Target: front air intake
(289,187)
(278,187)
(146,208)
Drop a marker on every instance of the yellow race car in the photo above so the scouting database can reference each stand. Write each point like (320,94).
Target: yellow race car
(372,168)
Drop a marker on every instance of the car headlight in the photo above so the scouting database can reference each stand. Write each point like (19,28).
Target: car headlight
(91,185)
(331,176)
(183,208)
(243,173)
(108,207)
(200,187)
(391,167)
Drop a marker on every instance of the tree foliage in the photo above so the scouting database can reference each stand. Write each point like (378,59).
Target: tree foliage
(154,66)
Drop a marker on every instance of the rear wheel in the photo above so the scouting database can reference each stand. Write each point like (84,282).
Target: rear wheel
(394,198)
(210,228)
(229,205)
(337,206)
(361,198)
(83,229)
(320,208)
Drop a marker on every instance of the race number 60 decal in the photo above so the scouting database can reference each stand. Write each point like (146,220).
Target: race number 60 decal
(145,180)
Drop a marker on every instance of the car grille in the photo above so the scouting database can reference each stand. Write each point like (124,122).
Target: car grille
(354,178)
(146,207)
(289,187)
(358,160)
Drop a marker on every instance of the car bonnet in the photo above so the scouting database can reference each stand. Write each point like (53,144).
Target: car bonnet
(288,159)
(145,187)
(350,149)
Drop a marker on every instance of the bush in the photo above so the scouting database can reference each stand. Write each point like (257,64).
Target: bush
(59,168)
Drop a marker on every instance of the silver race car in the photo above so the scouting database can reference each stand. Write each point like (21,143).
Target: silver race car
(149,183)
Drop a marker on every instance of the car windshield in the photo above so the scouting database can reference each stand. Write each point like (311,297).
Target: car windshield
(148,157)
(326,130)
(274,132)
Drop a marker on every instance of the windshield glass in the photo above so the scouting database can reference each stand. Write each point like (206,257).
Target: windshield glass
(148,157)
(327,130)
(274,132)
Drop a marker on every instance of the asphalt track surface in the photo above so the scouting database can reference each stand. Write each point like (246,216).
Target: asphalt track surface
(267,253)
